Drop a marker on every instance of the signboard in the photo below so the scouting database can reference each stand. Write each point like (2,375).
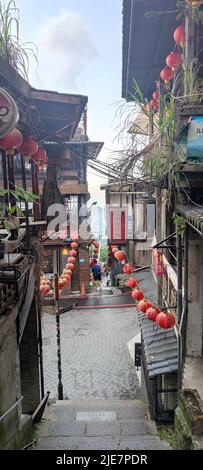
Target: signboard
(8,113)
(195,139)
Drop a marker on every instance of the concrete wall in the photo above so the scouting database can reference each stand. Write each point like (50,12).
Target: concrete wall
(29,363)
(9,392)
(195,298)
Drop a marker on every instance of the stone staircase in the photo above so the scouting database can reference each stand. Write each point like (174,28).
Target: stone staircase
(97,425)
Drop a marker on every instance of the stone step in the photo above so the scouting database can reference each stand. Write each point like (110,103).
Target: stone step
(121,428)
(101,443)
(67,410)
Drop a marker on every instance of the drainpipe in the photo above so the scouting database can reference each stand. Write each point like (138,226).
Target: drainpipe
(182,323)
(179,274)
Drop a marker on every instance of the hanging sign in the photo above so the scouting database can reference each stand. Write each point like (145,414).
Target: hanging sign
(195,139)
(8,113)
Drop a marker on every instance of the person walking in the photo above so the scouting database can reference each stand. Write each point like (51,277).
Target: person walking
(96,271)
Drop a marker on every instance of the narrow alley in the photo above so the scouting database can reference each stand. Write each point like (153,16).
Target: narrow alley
(102,407)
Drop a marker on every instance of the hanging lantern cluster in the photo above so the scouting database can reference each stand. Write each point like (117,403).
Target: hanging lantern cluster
(46,285)
(165,320)
(14,142)
(95,253)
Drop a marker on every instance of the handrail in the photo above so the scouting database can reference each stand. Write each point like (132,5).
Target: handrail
(11,408)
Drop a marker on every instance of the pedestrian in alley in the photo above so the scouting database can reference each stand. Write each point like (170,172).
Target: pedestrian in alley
(96,271)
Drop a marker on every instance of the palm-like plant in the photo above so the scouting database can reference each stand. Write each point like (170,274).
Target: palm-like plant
(11,48)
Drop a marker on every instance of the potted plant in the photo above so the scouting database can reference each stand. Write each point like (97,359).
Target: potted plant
(9,214)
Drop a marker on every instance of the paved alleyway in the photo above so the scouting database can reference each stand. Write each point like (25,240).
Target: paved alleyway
(102,408)
(96,363)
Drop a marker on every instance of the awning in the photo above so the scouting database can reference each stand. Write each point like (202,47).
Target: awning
(160,346)
(193,214)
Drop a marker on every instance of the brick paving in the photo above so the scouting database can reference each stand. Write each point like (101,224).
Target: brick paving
(95,359)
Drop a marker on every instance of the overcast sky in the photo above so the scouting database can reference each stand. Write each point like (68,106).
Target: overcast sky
(80,49)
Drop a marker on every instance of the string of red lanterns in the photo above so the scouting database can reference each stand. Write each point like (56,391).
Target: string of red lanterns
(46,285)
(165,320)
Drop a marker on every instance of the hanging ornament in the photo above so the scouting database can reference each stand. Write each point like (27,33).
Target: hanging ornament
(132,282)
(158,84)
(71,259)
(144,305)
(73,253)
(137,294)
(179,35)
(154,104)
(166,74)
(156,96)
(119,255)
(174,60)
(11,141)
(28,147)
(165,320)
(127,269)
(74,245)
(152,313)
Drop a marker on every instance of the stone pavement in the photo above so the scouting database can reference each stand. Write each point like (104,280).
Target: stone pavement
(97,425)
(96,363)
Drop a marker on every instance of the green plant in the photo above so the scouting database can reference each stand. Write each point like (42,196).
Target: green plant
(104,254)
(179,221)
(11,49)
(8,211)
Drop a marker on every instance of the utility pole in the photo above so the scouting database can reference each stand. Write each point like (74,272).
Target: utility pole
(58,336)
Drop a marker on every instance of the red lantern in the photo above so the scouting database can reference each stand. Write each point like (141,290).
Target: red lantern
(44,289)
(156,95)
(132,282)
(12,141)
(166,74)
(165,320)
(61,283)
(127,269)
(73,253)
(69,271)
(70,266)
(96,250)
(154,104)
(114,250)
(152,313)
(91,263)
(28,147)
(96,244)
(74,245)
(179,35)
(39,156)
(144,305)
(158,84)
(71,259)
(148,107)
(66,278)
(137,294)
(174,60)
(119,255)
(94,256)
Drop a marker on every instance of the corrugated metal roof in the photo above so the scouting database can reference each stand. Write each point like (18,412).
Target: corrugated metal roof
(160,346)
(147,40)
(193,214)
